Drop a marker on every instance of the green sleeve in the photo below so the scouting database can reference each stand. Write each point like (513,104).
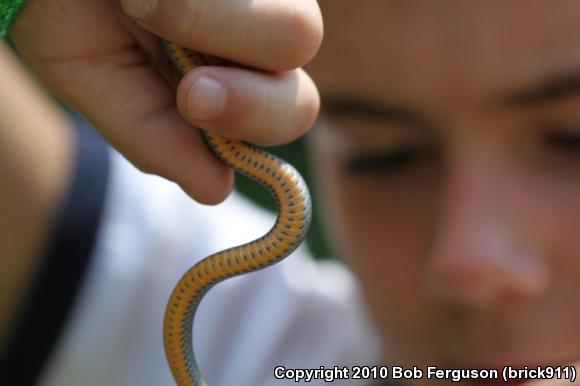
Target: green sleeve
(8,11)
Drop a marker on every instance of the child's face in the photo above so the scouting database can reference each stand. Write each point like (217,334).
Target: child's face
(448,154)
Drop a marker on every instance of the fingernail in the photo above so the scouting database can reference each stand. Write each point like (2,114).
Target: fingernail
(141,10)
(206,99)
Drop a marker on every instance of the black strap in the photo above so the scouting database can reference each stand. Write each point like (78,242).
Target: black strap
(63,265)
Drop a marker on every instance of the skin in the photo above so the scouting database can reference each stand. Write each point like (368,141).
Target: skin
(105,59)
(35,164)
(467,253)
(467,249)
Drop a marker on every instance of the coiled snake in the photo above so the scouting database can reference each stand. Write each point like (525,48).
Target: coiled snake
(294,213)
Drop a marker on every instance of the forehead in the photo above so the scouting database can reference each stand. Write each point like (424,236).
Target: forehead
(422,51)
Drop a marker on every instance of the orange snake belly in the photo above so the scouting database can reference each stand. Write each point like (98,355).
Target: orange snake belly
(288,232)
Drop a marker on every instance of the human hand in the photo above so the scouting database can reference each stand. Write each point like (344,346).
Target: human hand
(111,68)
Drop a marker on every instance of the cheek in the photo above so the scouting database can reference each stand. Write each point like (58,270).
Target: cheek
(545,207)
(555,205)
(374,224)
(387,228)
(384,229)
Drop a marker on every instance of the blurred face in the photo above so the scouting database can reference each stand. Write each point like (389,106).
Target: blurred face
(448,155)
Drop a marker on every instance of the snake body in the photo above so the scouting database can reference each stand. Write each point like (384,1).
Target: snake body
(289,230)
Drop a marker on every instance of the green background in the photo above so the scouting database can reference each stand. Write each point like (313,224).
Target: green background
(295,154)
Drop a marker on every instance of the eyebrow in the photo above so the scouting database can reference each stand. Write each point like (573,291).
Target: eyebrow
(549,89)
(344,106)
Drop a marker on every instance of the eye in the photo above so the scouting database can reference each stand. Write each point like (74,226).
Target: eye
(385,161)
(565,140)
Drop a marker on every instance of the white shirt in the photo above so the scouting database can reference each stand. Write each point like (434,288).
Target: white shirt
(298,314)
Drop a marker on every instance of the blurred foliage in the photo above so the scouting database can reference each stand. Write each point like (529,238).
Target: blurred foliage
(295,154)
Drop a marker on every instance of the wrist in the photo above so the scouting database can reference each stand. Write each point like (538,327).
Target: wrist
(35,167)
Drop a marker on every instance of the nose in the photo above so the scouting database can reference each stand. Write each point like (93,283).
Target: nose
(484,249)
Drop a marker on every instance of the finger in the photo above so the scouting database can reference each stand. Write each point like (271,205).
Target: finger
(271,35)
(263,108)
(134,108)
(105,66)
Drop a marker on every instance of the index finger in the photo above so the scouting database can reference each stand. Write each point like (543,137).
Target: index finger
(269,35)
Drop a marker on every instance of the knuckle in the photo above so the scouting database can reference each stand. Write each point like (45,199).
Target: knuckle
(304,35)
(190,31)
(173,21)
(209,193)
(146,167)
(301,121)
(262,119)
(141,11)
(306,104)
(286,109)
(309,114)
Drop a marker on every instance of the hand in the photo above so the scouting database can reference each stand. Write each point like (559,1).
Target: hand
(111,68)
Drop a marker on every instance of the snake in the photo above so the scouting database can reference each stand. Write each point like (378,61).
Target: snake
(289,230)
